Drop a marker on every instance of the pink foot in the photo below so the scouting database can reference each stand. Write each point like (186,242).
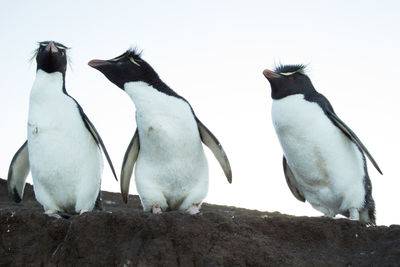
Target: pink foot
(53,213)
(83,211)
(156,209)
(192,210)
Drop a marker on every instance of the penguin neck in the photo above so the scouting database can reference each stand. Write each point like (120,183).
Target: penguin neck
(50,82)
(146,96)
(279,93)
(159,85)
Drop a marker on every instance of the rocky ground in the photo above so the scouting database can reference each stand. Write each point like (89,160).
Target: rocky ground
(124,235)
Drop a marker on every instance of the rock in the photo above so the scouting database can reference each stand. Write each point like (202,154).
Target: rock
(124,235)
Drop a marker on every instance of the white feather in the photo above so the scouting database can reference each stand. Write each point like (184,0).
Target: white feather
(326,164)
(65,161)
(171,167)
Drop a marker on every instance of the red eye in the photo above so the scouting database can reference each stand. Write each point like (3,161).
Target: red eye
(62,53)
(291,79)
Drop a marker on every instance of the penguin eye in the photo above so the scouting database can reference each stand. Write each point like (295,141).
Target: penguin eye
(61,53)
(290,78)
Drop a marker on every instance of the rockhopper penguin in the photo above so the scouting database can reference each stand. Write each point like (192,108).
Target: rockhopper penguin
(323,159)
(171,170)
(63,146)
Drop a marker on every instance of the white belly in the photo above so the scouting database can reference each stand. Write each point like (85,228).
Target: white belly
(65,161)
(171,163)
(326,164)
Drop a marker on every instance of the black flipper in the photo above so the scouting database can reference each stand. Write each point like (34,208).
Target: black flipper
(291,182)
(213,144)
(128,163)
(89,125)
(17,173)
(349,133)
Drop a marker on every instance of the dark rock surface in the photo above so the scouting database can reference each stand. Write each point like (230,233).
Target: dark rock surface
(124,235)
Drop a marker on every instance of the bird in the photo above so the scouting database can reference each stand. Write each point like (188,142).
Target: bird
(63,148)
(324,161)
(171,171)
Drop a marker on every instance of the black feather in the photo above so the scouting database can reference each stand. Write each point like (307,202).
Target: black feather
(15,196)
(134,52)
(57,44)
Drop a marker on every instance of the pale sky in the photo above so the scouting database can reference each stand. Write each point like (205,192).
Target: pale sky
(213,54)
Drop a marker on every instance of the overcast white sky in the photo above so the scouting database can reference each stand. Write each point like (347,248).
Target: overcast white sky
(213,53)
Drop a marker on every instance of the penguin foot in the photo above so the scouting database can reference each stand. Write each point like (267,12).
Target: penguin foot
(83,211)
(193,209)
(354,214)
(52,213)
(156,209)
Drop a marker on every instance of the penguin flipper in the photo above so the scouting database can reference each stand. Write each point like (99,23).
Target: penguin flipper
(128,163)
(349,133)
(213,144)
(17,173)
(291,182)
(89,125)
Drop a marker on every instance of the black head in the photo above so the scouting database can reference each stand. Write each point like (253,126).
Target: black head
(51,57)
(288,80)
(128,67)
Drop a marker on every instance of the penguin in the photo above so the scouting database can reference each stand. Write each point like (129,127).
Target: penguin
(324,160)
(63,150)
(171,171)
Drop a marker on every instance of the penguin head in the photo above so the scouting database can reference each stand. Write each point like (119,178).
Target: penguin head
(51,57)
(288,80)
(128,67)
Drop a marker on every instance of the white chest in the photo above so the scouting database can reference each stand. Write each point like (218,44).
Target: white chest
(327,165)
(50,110)
(300,124)
(171,160)
(57,137)
(65,161)
(166,123)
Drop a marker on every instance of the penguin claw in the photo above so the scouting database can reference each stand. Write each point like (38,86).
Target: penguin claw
(192,210)
(156,209)
(83,211)
(52,213)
